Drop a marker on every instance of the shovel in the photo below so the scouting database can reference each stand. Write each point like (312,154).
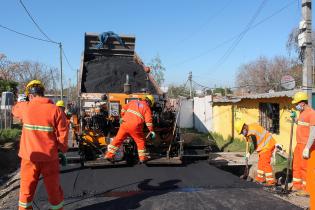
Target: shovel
(246,171)
(285,190)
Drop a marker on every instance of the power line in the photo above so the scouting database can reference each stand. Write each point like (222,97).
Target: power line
(211,18)
(39,28)
(242,86)
(64,54)
(241,36)
(237,35)
(26,35)
(30,16)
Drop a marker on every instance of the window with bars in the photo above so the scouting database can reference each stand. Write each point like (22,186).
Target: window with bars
(269,117)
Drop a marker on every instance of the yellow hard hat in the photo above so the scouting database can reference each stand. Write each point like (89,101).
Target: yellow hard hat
(60,103)
(299,96)
(238,126)
(150,98)
(34,83)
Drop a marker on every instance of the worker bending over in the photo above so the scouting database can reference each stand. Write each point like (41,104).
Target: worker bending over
(44,133)
(134,115)
(264,144)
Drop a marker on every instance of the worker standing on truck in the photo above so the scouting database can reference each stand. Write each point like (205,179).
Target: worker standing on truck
(134,115)
(305,134)
(44,133)
(263,142)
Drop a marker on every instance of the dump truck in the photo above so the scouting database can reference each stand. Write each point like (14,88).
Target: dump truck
(112,74)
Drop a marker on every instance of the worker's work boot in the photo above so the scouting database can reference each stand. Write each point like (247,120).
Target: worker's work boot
(296,188)
(110,157)
(260,180)
(269,184)
(143,159)
(302,193)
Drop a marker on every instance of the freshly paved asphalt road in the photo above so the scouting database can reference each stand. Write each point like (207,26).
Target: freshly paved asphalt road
(193,186)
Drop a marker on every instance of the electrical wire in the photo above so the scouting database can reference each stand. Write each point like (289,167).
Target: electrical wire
(210,19)
(30,16)
(47,37)
(243,86)
(64,54)
(26,35)
(235,36)
(227,54)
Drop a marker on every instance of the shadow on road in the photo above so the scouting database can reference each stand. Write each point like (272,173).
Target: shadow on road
(131,200)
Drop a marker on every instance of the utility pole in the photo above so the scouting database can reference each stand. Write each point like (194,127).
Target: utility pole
(190,84)
(61,83)
(77,87)
(305,42)
(69,91)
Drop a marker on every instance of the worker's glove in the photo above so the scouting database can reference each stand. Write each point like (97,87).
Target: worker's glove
(68,114)
(63,159)
(306,153)
(152,135)
(247,155)
(293,115)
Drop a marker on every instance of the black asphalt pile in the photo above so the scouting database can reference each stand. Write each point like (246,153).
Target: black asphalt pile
(108,74)
(194,186)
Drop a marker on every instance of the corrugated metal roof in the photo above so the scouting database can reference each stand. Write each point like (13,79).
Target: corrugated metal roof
(289,93)
(226,100)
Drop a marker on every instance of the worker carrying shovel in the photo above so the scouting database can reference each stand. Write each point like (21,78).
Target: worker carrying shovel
(263,142)
(134,115)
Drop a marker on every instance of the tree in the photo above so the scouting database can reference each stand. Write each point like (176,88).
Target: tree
(8,85)
(6,68)
(293,46)
(222,91)
(157,69)
(25,71)
(174,91)
(262,74)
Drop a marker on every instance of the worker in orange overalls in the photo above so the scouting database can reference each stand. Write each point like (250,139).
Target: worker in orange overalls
(264,144)
(134,115)
(44,133)
(61,105)
(305,134)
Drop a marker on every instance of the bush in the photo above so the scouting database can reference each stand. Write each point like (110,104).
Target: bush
(9,135)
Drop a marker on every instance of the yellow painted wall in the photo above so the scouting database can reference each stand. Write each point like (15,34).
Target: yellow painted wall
(248,109)
(222,119)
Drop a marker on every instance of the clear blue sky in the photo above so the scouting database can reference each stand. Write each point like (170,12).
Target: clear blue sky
(177,30)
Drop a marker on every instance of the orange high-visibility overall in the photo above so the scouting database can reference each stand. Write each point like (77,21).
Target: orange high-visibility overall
(305,120)
(134,115)
(264,145)
(310,177)
(44,133)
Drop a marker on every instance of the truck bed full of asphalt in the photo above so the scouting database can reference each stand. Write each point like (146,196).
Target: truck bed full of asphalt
(108,75)
(192,186)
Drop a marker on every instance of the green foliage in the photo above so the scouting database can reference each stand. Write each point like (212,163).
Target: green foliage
(9,135)
(176,91)
(217,142)
(8,85)
(222,91)
(157,69)
(229,144)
